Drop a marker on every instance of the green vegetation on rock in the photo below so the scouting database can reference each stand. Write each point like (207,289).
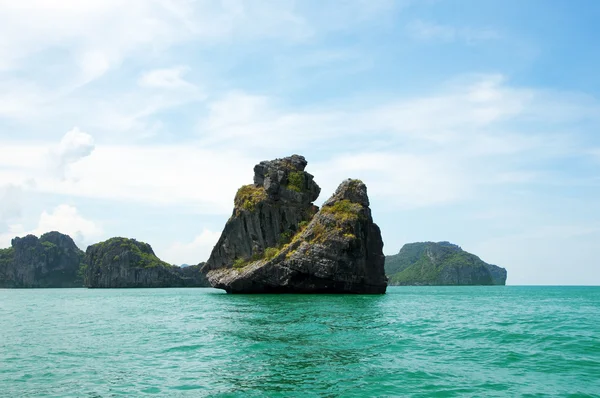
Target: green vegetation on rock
(271,252)
(296,181)
(285,239)
(6,257)
(441,263)
(122,262)
(137,254)
(343,210)
(248,196)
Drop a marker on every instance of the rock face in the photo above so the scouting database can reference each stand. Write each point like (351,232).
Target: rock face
(122,262)
(442,263)
(52,261)
(268,212)
(277,242)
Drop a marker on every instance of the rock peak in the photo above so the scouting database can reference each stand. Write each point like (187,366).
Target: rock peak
(267,212)
(351,189)
(285,179)
(53,260)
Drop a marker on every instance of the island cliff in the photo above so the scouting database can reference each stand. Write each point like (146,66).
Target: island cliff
(277,241)
(122,262)
(442,263)
(52,261)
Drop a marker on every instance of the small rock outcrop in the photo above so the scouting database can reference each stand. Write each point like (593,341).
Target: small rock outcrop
(51,261)
(127,263)
(441,263)
(277,241)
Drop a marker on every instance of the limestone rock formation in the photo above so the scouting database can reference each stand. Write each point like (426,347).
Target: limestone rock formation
(441,263)
(122,262)
(52,261)
(267,212)
(277,242)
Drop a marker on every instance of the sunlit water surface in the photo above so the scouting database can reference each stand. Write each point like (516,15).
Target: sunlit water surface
(413,341)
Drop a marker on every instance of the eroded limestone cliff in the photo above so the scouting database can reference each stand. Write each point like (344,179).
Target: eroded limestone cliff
(122,262)
(277,241)
(53,260)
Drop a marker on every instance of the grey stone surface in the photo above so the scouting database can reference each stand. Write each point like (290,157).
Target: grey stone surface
(258,224)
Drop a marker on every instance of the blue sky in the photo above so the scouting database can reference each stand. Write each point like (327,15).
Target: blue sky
(474,122)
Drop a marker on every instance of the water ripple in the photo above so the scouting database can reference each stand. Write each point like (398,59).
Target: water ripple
(419,342)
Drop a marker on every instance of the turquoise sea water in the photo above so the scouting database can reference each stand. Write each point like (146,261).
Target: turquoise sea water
(413,341)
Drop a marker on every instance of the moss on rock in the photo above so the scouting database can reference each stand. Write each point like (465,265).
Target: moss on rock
(343,210)
(296,181)
(249,196)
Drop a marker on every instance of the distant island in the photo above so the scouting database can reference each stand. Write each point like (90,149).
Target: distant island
(441,263)
(54,261)
(122,262)
(276,241)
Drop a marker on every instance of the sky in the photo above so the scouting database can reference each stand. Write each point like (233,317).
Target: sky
(475,122)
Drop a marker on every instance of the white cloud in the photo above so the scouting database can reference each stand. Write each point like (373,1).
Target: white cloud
(183,175)
(65,219)
(74,146)
(541,253)
(463,110)
(101,33)
(171,78)
(129,110)
(421,151)
(93,64)
(424,30)
(193,252)
(11,198)
(401,180)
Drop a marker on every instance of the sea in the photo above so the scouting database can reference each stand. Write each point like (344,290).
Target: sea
(487,341)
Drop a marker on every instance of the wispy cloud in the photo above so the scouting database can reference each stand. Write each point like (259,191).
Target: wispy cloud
(74,146)
(452,142)
(11,199)
(134,26)
(170,78)
(192,252)
(431,31)
(65,219)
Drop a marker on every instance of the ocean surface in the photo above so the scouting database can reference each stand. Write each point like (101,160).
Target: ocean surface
(414,341)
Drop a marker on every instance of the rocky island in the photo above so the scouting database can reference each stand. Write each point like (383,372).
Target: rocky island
(278,241)
(50,261)
(121,262)
(441,263)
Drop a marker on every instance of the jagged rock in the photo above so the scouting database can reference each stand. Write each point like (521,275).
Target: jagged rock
(279,245)
(268,212)
(442,263)
(52,261)
(122,262)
